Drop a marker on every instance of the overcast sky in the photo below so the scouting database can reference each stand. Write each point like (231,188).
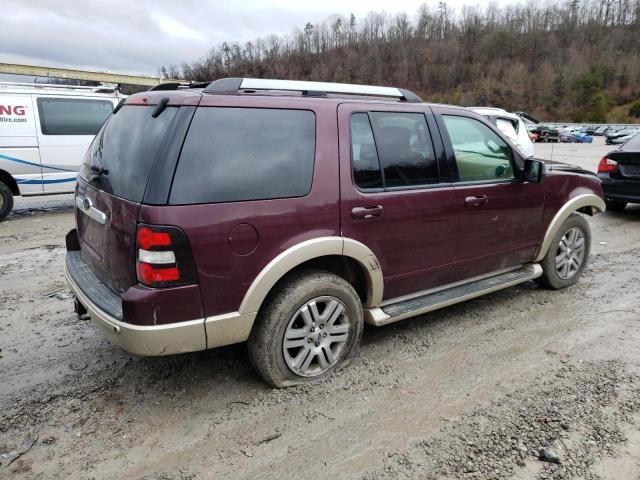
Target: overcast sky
(139,36)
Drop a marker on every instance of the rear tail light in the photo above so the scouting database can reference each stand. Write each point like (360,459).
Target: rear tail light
(164,257)
(607,165)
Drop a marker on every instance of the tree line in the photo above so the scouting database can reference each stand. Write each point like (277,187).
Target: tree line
(573,60)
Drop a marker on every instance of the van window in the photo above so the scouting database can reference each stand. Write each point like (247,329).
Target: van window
(480,154)
(235,154)
(126,148)
(72,116)
(405,149)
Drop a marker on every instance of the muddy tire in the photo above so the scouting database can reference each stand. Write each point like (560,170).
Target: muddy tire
(615,205)
(568,254)
(6,201)
(310,326)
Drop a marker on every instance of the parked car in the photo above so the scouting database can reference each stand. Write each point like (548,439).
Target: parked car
(619,172)
(287,214)
(511,125)
(45,130)
(613,135)
(567,136)
(621,139)
(545,133)
(581,137)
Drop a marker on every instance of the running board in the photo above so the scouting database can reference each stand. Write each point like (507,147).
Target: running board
(449,295)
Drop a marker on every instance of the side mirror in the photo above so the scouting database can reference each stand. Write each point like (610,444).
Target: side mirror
(534,170)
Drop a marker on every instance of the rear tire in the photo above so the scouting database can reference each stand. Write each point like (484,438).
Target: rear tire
(568,254)
(6,201)
(301,311)
(615,205)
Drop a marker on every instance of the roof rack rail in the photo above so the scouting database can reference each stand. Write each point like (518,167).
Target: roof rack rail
(103,88)
(178,85)
(232,85)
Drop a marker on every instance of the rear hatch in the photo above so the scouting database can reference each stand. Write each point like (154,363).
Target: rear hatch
(111,186)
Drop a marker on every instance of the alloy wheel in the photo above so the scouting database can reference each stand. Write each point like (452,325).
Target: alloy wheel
(316,336)
(570,253)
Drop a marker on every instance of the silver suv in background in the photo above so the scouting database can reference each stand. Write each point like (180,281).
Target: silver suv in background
(511,125)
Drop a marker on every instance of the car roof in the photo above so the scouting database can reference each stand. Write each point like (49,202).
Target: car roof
(192,96)
(19,88)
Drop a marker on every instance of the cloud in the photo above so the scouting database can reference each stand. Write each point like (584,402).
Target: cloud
(141,36)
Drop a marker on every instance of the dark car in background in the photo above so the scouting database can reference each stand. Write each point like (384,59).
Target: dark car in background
(619,172)
(545,133)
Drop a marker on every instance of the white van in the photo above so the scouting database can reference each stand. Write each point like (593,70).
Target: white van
(511,125)
(45,130)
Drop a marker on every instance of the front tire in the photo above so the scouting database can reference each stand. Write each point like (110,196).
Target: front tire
(568,254)
(310,327)
(6,201)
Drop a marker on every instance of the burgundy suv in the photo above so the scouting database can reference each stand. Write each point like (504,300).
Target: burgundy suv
(289,213)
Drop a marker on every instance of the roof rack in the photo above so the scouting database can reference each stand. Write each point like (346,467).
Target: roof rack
(312,89)
(179,85)
(103,88)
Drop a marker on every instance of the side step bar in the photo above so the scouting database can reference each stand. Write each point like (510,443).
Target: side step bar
(451,294)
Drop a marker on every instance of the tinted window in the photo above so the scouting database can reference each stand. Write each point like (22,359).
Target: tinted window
(481,155)
(69,116)
(233,154)
(364,157)
(126,148)
(405,150)
(633,144)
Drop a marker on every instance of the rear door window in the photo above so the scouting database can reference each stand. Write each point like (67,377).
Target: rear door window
(125,149)
(72,116)
(405,150)
(235,154)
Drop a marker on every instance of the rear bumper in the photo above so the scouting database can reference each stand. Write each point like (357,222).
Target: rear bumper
(153,340)
(143,340)
(623,190)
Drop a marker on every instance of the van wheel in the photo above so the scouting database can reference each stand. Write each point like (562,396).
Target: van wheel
(310,327)
(567,257)
(6,200)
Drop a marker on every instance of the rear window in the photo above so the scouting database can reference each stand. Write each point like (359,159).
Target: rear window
(236,154)
(125,148)
(72,116)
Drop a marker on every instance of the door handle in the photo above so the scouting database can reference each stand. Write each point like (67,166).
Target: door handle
(365,213)
(476,201)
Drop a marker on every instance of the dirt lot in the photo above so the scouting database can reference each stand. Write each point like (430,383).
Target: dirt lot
(472,391)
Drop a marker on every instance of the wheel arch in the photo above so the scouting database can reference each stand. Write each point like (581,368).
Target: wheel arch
(336,254)
(9,181)
(584,203)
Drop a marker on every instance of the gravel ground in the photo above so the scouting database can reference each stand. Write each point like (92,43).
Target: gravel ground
(499,387)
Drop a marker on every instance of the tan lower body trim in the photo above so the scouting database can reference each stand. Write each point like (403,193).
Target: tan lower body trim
(145,339)
(228,328)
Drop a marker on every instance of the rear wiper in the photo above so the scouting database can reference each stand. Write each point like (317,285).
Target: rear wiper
(98,170)
(96,173)
(160,107)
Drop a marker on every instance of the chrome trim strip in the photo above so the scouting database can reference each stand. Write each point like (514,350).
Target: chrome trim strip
(577,202)
(377,317)
(86,206)
(296,85)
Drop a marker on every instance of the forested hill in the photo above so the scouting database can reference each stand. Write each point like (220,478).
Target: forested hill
(578,60)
